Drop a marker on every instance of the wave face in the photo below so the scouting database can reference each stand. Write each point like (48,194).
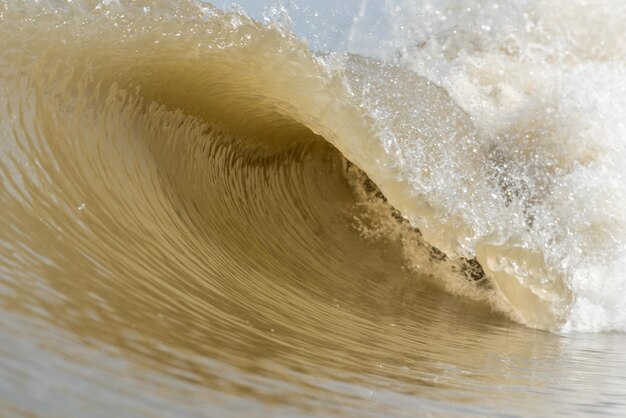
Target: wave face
(148,142)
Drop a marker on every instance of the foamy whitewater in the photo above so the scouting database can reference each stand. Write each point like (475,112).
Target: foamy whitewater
(502,125)
(496,128)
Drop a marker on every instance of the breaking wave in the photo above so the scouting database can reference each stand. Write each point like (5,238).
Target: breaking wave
(174,139)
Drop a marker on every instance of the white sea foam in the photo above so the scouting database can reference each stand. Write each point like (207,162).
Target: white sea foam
(505,120)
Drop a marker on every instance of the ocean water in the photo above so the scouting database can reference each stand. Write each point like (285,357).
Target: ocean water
(391,208)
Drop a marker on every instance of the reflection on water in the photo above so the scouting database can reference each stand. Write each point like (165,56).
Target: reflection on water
(159,261)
